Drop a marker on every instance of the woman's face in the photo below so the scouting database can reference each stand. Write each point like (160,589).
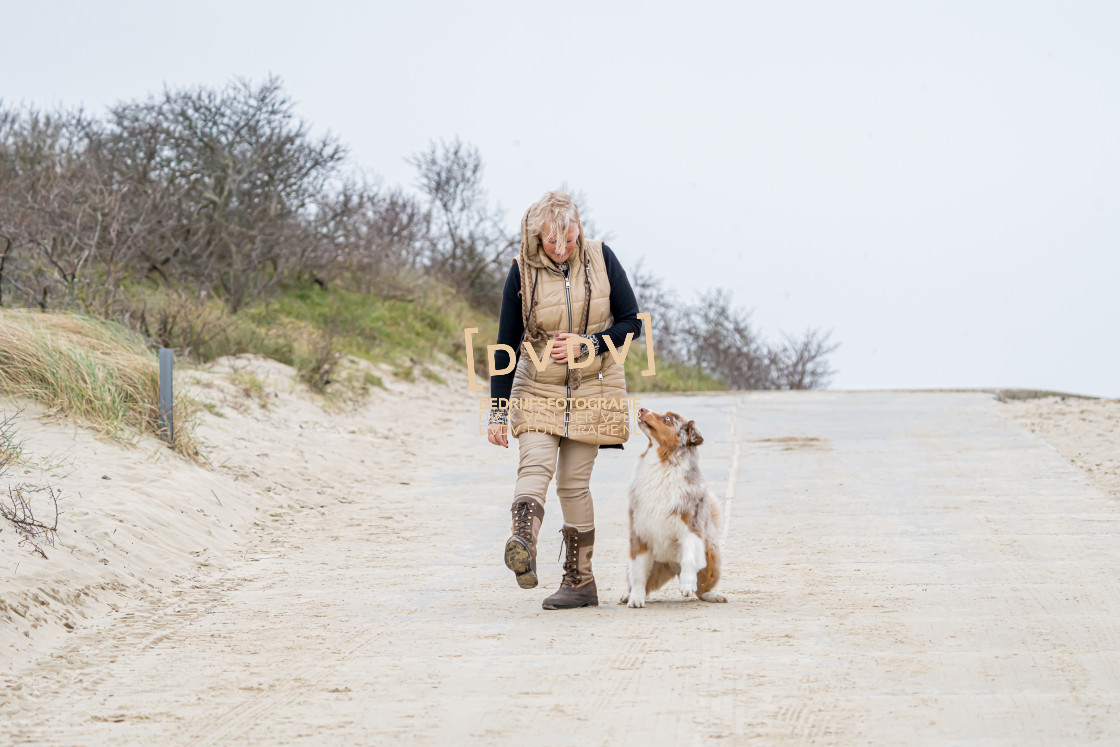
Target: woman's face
(557,251)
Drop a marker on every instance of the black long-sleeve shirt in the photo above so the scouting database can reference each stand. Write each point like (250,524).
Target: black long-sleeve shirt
(624,309)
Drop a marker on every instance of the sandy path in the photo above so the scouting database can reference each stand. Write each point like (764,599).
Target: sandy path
(909,568)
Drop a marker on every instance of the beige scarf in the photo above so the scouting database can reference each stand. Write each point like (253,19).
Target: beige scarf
(533,256)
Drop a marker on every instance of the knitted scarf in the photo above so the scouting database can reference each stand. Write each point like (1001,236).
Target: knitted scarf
(531,261)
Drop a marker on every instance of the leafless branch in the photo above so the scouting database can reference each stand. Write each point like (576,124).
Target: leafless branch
(16,505)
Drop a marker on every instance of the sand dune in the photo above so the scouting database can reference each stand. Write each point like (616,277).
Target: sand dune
(138,520)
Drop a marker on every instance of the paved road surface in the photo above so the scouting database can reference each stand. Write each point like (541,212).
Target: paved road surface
(902,568)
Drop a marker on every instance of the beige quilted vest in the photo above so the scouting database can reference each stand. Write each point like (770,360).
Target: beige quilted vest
(597,411)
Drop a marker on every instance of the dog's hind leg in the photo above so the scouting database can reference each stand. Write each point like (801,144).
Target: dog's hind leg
(693,560)
(706,579)
(639,573)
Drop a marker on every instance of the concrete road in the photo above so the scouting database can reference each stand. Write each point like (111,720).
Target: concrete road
(902,568)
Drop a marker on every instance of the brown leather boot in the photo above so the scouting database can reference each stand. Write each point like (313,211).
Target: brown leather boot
(521,548)
(577,588)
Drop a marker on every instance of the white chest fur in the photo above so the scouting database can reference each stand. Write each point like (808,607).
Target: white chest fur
(660,494)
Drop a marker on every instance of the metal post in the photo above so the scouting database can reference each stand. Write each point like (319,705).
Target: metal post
(166,397)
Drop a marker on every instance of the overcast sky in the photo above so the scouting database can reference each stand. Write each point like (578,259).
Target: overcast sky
(938,183)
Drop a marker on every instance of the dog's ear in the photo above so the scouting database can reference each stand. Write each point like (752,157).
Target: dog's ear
(694,437)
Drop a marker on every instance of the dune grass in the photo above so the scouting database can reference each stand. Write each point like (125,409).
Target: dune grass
(93,370)
(203,329)
(310,328)
(380,329)
(404,333)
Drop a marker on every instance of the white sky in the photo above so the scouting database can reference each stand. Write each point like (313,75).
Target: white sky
(939,183)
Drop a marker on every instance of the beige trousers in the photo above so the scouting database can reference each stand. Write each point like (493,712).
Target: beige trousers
(541,455)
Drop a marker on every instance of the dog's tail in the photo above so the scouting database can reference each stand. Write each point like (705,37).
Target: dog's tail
(717,511)
(733,473)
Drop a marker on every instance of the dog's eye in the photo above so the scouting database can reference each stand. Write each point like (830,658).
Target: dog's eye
(668,419)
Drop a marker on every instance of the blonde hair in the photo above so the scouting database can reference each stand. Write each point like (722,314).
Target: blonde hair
(555,209)
(558,210)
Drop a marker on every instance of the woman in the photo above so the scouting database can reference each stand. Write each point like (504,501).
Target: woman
(560,286)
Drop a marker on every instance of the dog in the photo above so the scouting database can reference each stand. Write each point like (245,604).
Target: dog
(673,515)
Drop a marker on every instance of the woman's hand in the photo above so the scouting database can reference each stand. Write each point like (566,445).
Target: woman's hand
(560,349)
(496,434)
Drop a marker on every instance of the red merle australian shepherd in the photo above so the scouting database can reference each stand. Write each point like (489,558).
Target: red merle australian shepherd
(673,515)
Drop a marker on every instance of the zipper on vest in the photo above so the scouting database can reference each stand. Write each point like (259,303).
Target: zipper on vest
(567,373)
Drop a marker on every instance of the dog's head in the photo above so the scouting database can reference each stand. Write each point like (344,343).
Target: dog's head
(671,432)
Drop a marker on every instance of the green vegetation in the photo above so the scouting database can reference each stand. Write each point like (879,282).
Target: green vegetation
(310,328)
(669,375)
(381,330)
(250,386)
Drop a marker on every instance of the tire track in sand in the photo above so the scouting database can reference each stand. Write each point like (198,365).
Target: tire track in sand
(245,714)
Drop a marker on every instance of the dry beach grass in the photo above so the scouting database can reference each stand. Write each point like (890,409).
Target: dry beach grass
(96,372)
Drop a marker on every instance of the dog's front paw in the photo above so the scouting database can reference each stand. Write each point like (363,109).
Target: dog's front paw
(688,586)
(625,599)
(711,596)
(636,601)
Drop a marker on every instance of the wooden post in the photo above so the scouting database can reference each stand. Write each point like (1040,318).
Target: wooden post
(166,395)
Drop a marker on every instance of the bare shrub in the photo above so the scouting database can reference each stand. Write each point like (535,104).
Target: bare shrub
(469,246)
(16,500)
(196,326)
(368,238)
(803,363)
(69,231)
(182,213)
(242,179)
(718,338)
(16,508)
(664,307)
